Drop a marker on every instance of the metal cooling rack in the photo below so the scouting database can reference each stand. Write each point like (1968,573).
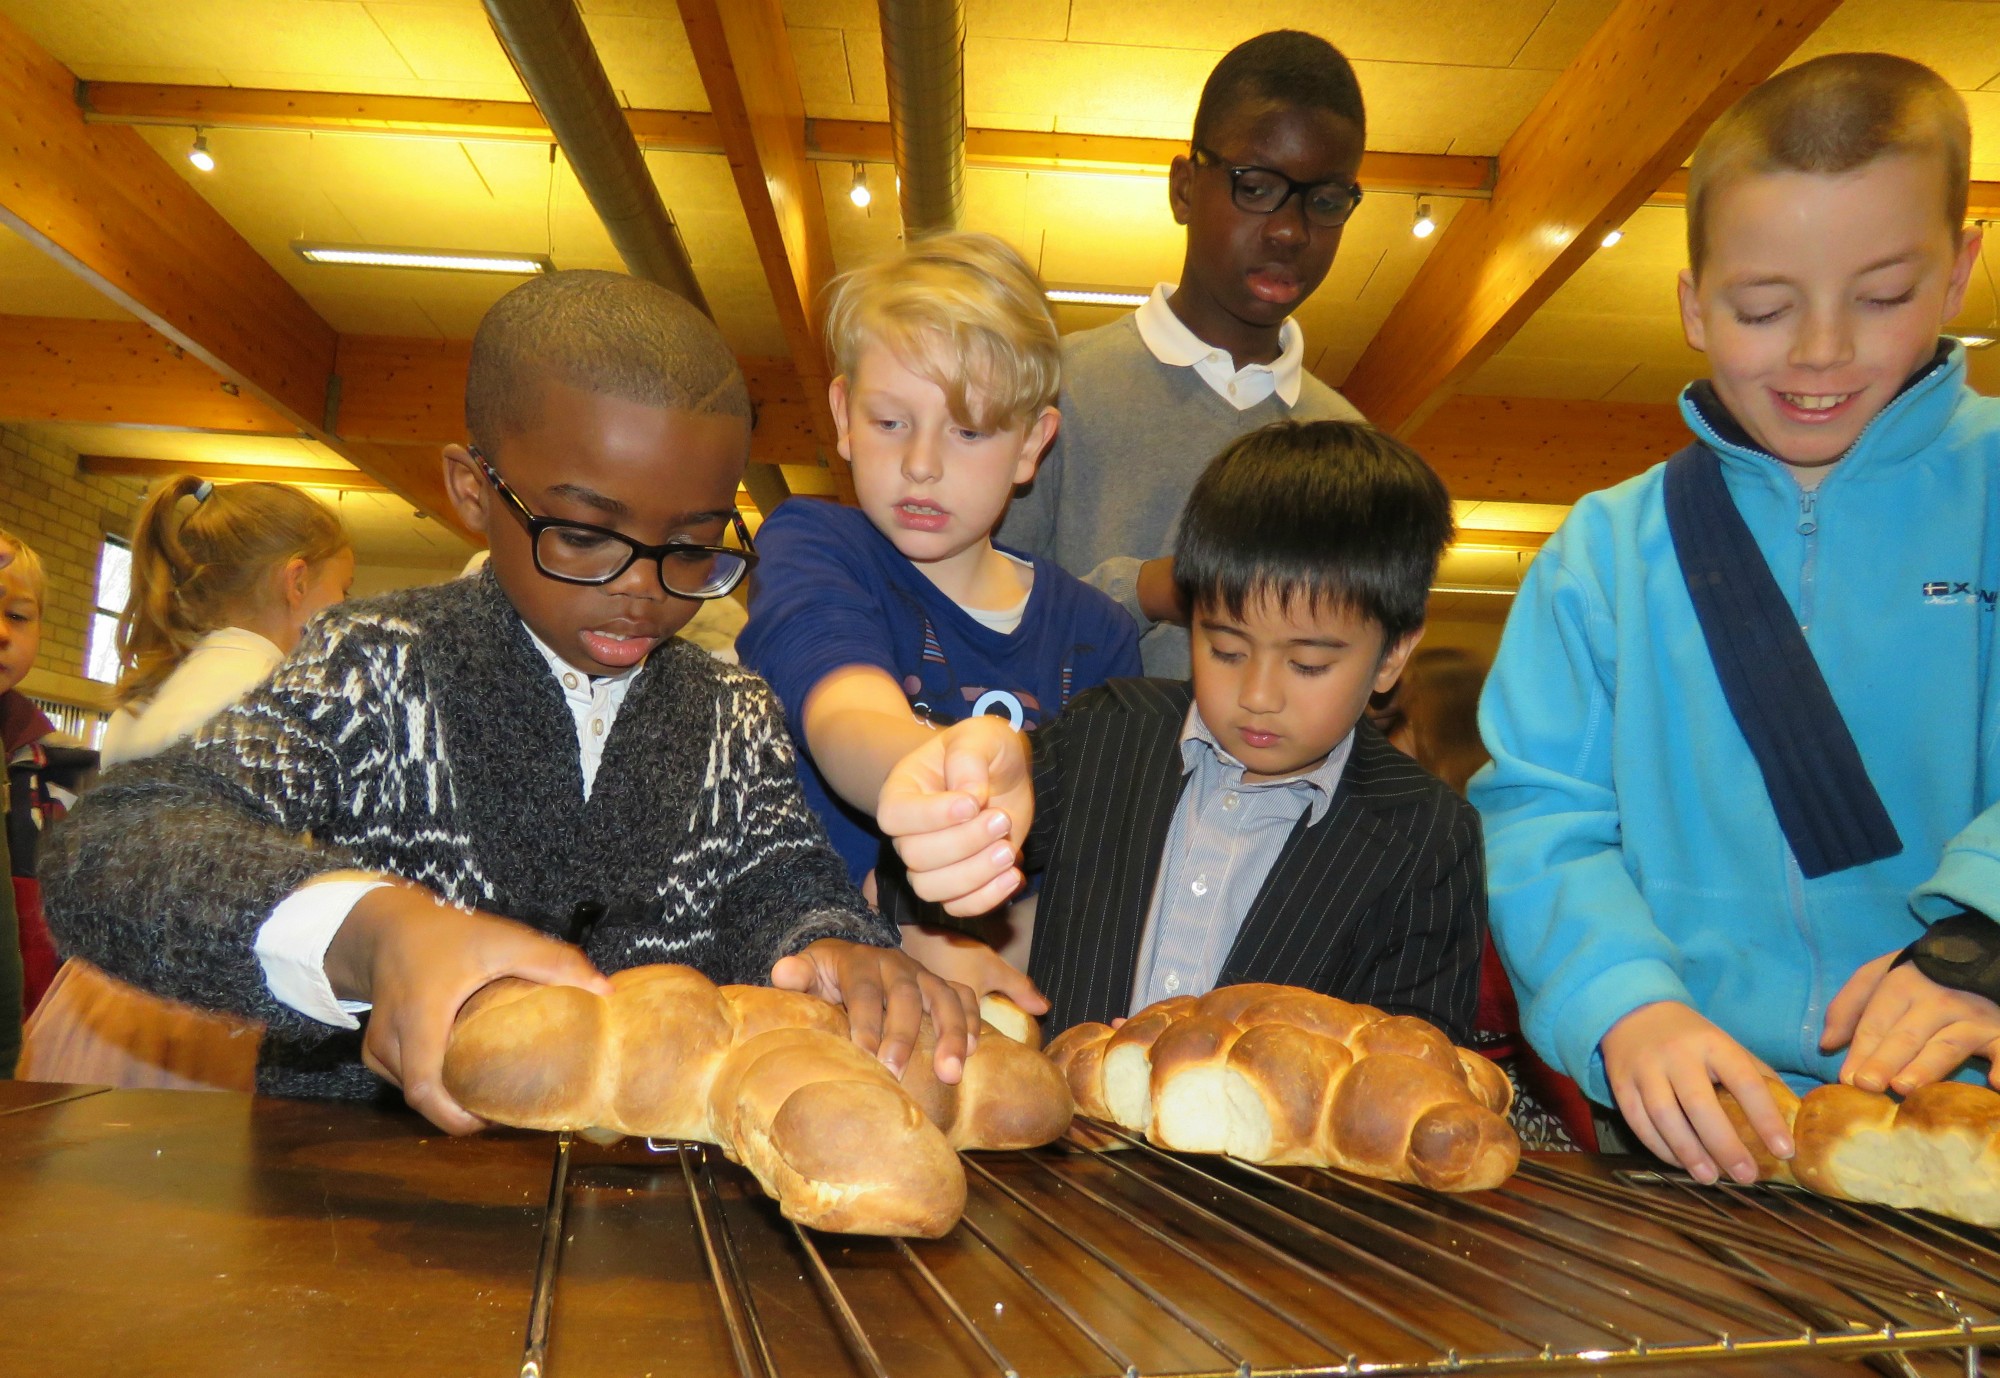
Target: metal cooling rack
(1076,1261)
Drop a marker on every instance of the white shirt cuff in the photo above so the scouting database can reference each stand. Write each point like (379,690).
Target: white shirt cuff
(291,946)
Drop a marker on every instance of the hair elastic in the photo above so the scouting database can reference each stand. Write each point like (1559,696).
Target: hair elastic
(201,492)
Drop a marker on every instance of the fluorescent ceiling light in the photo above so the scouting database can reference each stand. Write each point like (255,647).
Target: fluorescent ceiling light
(1978,341)
(1096,296)
(447,260)
(1474,588)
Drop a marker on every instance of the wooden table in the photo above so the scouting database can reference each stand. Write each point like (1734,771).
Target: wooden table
(172,1232)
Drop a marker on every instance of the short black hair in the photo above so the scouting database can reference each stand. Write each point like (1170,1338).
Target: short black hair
(599,332)
(1334,512)
(1287,67)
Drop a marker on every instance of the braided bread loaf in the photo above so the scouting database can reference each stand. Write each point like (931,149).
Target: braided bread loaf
(1276,1074)
(769,1076)
(1937,1149)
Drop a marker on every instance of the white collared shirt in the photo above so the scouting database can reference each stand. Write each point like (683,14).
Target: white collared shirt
(291,944)
(1173,344)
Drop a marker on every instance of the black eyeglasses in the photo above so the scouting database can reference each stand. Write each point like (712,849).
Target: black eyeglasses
(579,553)
(1264,190)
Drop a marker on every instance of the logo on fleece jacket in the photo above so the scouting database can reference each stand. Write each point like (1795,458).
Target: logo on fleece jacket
(1950,593)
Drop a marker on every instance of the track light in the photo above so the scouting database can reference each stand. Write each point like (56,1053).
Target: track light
(858,193)
(1611,238)
(199,154)
(1424,226)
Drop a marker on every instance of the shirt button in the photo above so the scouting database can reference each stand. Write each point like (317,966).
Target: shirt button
(569,681)
(1200,886)
(1230,801)
(597,726)
(1173,982)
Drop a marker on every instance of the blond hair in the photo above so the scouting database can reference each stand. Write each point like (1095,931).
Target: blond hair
(193,571)
(964,311)
(1833,115)
(28,563)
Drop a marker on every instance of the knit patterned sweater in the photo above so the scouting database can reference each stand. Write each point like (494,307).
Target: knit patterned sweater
(421,734)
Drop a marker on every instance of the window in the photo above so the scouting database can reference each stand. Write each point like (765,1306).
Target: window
(114,583)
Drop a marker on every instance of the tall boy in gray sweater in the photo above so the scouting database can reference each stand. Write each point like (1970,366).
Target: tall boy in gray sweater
(1148,401)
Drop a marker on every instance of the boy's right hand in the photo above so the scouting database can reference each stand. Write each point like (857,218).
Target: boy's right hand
(1663,1061)
(417,960)
(958,809)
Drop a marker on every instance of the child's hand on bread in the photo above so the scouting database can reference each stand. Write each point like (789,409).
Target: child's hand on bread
(1903,1030)
(417,960)
(1663,1061)
(887,993)
(958,809)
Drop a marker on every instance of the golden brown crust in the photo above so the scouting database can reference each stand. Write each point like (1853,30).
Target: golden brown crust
(769,1076)
(1277,1074)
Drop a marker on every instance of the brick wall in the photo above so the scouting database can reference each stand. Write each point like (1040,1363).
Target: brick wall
(64,515)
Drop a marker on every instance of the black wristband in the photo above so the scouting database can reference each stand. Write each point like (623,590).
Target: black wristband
(1961,952)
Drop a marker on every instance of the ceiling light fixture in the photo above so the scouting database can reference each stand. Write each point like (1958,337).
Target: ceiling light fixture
(199,154)
(1978,341)
(1424,226)
(1096,296)
(447,260)
(1611,238)
(858,193)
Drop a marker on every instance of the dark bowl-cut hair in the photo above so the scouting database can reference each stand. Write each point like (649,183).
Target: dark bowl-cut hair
(1332,512)
(1283,67)
(598,332)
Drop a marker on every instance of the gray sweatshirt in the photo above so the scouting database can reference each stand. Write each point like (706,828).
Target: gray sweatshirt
(1136,434)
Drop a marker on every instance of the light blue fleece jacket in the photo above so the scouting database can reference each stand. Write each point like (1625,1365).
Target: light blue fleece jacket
(1632,851)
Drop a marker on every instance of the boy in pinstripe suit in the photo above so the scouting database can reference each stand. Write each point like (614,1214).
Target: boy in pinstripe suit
(1251,825)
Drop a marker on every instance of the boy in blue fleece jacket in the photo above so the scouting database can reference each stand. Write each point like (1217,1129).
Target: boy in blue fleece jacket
(1744,720)
(879,625)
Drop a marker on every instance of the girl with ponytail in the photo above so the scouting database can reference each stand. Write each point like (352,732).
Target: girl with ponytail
(224,580)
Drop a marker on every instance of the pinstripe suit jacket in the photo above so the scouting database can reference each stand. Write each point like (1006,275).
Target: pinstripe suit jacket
(1383,901)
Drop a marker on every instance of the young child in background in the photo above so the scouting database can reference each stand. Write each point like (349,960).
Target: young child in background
(448,785)
(1433,717)
(1251,825)
(222,589)
(43,774)
(1744,721)
(878,624)
(1147,401)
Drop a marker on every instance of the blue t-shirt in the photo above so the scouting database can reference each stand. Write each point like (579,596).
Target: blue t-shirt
(832,591)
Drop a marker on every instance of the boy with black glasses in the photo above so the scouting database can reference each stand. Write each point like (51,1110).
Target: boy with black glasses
(521,773)
(1265,189)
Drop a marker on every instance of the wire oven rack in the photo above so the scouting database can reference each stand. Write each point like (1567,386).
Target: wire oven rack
(1074,1260)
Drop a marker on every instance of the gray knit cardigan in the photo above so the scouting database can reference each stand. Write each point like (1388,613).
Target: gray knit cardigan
(421,734)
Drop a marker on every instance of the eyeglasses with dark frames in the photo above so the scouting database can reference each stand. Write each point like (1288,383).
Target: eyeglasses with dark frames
(1265,190)
(579,553)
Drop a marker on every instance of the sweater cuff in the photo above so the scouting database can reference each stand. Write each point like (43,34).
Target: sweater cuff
(1118,579)
(1580,1025)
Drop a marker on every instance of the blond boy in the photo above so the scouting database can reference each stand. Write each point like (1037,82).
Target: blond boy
(1745,728)
(879,623)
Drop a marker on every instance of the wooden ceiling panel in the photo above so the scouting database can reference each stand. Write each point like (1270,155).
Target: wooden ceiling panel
(1546,376)
(332,43)
(451,45)
(1562,33)
(1960,41)
(1472,33)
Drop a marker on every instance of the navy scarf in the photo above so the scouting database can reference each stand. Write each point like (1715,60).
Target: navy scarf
(1826,804)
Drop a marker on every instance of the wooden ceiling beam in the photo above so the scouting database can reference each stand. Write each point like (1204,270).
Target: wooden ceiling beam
(129,466)
(744,55)
(100,201)
(1618,121)
(1541,450)
(54,368)
(695,131)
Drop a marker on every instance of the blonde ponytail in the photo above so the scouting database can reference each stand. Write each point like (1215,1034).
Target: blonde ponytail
(195,568)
